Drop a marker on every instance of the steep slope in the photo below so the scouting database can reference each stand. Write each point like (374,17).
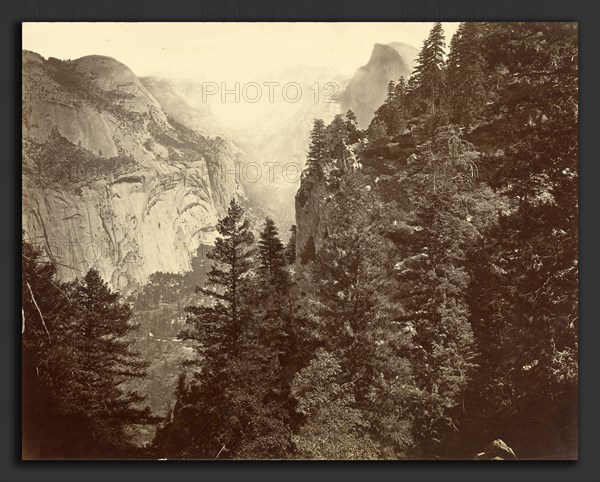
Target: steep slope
(367,89)
(109,180)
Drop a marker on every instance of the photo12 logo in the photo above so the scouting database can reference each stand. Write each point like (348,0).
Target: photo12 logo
(253,92)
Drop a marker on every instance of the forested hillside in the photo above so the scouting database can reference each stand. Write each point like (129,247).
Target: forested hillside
(424,306)
(459,212)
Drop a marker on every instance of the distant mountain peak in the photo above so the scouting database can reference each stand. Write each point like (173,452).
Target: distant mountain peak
(367,89)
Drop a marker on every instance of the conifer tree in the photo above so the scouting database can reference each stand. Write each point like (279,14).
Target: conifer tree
(466,86)
(352,127)
(43,367)
(412,99)
(218,327)
(337,140)
(391,90)
(106,360)
(272,257)
(524,298)
(359,356)
(317,150)
(450,213)
(231,411)
(77,357)
(400,89)
(429,72)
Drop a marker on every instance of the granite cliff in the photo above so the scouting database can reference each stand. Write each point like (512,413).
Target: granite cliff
(110,179)
(367,89)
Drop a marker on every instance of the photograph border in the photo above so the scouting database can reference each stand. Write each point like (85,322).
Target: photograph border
(13,13)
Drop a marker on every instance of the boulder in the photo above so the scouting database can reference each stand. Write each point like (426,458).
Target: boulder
(497,450)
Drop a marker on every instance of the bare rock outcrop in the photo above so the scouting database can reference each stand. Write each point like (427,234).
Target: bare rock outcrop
(497,450)
(110,181)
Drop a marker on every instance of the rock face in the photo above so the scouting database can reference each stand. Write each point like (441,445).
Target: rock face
(313,204)
(311,218)
(110,180)
(367,89)
(497,450)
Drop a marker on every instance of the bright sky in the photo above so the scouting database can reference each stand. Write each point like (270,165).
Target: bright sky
(224,51)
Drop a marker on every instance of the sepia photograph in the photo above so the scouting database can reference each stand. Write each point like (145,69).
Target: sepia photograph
(299,241)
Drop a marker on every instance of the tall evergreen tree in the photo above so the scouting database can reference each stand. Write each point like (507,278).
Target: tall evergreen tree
(466,75)
(105,361)
(232,260)
(359,356)
(337,140)
(400,89)
(412,101)
(217,329)
(234,405)
(352,129)
(77,358)
(272,257)
(391,91)
(275,339)
(429,72)
(317,151)
(450,212)
(44,368)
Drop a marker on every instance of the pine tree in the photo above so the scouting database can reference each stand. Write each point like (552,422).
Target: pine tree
(412,101)
(218,327)
(317,150)
(450,211)
(272,258)
(454,59)
(43,366)
(106,361)
(466,81)
(337,140)
(524,298)
(274,347)
(429,72)
(391,91)
(77,357)
(225,393)
(352,130)
(357,377)
(400,89)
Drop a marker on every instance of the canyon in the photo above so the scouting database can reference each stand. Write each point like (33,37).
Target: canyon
(129,175)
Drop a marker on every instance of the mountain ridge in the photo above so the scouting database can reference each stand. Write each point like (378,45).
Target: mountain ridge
(112,182)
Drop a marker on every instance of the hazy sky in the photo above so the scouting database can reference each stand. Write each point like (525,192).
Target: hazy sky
(223,51)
